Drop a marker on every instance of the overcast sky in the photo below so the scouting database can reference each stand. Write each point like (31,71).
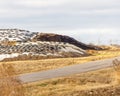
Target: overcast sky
(95,21)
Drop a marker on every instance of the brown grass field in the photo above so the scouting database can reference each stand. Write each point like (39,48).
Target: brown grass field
(104,82)
(28,66)
(9,85)
(97,83)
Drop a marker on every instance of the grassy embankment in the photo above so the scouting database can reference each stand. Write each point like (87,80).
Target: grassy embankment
(103,82)
(28,66)
(96,83)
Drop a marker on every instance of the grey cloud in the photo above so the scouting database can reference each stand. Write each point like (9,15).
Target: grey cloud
(63,16)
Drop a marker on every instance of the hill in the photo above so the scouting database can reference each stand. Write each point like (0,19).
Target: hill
(16,44)
(15,35)
(40,50)
(62,38)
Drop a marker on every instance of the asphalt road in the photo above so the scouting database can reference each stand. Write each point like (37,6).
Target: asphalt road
(69,70)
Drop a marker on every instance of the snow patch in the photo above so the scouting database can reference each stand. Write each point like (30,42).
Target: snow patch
(15,35)
(72,48)
(3,56)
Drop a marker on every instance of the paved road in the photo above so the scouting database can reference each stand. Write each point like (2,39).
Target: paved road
(69,70)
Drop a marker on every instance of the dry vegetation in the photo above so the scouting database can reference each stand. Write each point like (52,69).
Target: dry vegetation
(105,82)
(46,64)
(9,85)
(116,66)
(85,84)
(102,83)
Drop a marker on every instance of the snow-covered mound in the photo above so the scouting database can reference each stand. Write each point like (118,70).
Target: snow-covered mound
(15,35)
(39,48)
(19,44)
(63,38)
(19,35)
(45,49)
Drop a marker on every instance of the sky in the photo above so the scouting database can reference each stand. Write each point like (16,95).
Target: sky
(89,21)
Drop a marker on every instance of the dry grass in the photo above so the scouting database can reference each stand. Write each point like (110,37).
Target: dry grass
(75,85)
(46,64)
(9,85)
(116,65)
(83,84)
(104,82)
